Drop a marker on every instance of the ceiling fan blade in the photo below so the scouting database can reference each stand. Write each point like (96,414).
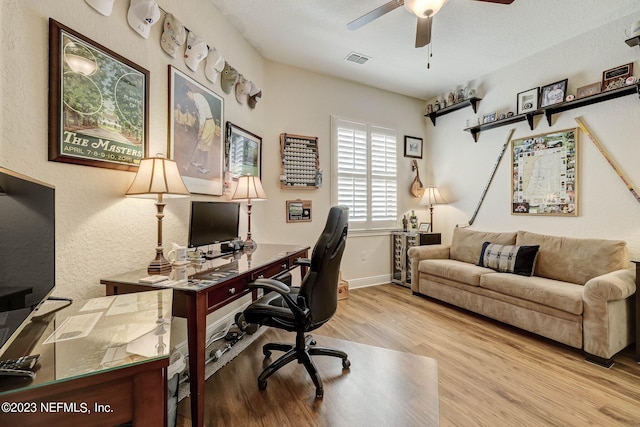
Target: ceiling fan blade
(423,31)
(498,1)
(375,13)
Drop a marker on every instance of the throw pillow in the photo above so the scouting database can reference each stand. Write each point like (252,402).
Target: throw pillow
(509,258)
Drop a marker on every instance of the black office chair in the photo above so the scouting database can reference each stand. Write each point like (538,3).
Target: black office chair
(307,308)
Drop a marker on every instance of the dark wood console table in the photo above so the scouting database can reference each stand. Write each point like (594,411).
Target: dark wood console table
(227,280)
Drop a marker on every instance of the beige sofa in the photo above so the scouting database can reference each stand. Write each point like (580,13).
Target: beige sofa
(580,293)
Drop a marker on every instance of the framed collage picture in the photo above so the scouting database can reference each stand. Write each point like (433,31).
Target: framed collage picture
(98,103)
(195,133)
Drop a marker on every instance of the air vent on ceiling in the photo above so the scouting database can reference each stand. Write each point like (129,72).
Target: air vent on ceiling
(358,58)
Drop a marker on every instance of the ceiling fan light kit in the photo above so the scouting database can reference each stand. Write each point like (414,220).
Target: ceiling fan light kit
(424,8)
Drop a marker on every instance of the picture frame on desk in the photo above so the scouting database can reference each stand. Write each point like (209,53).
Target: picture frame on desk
(98,103)
(424,227)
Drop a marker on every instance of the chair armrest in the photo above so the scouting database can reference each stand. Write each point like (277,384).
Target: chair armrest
(283,290)
(305,262)
(613,286)
(417,253)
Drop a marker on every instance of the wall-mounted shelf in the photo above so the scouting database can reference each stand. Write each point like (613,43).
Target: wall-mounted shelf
(475,130)
(588,100)
(473,101)
(633,41)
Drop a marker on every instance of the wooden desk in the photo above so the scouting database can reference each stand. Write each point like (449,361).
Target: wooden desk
(231,276)
(75,385)
(637,308)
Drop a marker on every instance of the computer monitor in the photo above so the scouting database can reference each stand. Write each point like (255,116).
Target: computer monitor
(27,250)
(213,222)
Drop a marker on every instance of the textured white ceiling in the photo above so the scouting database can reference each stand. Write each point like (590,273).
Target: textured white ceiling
(470,38)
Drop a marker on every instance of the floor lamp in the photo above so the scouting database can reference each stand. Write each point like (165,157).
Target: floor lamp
(249,188)
(430,198)
(159,178)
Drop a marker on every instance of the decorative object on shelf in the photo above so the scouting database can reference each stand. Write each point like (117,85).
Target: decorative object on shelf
(502,116)
(98,106)
(298,210)
(195,133)
(405,223)
(413,219)
(428,109)
(300,162)
(470,93)
(631,80)
(527,100)
(510,114)
(570,97)
(451,99)
(588,90)
(412,146)
(553,93)
(159,178)
(615,77)
(417,188)
(436,105)
(633,30)
(249,188)
(243,152)
(431,198)
(488,118)
(424,227)
(554,192)
(461,94)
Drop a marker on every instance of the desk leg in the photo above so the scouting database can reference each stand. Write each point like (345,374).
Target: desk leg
(637,309)
(196,336)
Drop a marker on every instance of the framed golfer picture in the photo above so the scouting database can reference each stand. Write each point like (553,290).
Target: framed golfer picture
(196,137)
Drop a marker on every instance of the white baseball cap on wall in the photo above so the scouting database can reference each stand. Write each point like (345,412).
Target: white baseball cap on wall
(195,51)
(142,15)
(173,36)
(215,65)
(103,6)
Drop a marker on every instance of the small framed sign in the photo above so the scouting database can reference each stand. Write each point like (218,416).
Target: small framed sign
(298,210)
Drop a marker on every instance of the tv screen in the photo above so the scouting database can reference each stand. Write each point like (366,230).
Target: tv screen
(213,222)
(27,250)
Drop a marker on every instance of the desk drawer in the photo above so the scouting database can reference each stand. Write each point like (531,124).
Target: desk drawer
(270,271)
(226,292)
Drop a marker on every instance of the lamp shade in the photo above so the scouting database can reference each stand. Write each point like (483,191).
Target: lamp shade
(249,188)
(157,175)
(432,197)
(424,8)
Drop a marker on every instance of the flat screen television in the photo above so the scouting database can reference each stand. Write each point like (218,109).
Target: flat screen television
(27,250)
(213,222)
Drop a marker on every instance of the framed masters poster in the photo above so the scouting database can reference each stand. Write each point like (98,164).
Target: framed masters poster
(98,106)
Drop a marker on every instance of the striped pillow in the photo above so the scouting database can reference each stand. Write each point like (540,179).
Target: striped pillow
(509,258)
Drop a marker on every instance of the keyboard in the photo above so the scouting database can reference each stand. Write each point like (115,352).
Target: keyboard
(20,367)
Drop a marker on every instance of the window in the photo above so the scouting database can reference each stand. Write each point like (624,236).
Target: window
(364,174)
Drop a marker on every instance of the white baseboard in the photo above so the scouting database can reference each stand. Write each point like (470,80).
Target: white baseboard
(369,281)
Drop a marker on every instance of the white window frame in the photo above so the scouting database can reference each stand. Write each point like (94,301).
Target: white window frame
(386,208)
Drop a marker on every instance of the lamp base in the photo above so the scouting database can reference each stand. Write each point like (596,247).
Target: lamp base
(250,244)
(159,265)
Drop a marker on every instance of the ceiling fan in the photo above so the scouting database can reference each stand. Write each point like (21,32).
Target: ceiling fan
(423,9)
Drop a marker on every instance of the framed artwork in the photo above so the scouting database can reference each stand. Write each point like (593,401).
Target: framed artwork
(544,171)
(424,227)
(553,93)
(243,152)
(588,90)
(412,147)
(527,100)
(98,106)
(195,133)
(491,117)
(298,210)
(615,77)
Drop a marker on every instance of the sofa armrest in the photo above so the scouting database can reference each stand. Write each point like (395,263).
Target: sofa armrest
(418,253)
(613,286)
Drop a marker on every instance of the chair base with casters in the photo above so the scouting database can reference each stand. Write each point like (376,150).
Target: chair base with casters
(304,348)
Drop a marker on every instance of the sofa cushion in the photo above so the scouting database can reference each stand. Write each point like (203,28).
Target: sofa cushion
(453,270)
(575,260)
(509,258)
(466,244)
(552,293)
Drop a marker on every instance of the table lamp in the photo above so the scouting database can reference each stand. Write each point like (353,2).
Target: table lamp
(430,198)
(249,188)
(159,178)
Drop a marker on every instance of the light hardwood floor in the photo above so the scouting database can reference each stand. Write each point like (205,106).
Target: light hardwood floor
(489,374)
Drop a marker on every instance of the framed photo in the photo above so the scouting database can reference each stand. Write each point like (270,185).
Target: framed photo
(528,100)
(412,147)
(615,77)
(243,152)
(98,106)
(298,210)
(195,133)
(553,93)
(588,90)
(544,171)
(424,227)
(491,117)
